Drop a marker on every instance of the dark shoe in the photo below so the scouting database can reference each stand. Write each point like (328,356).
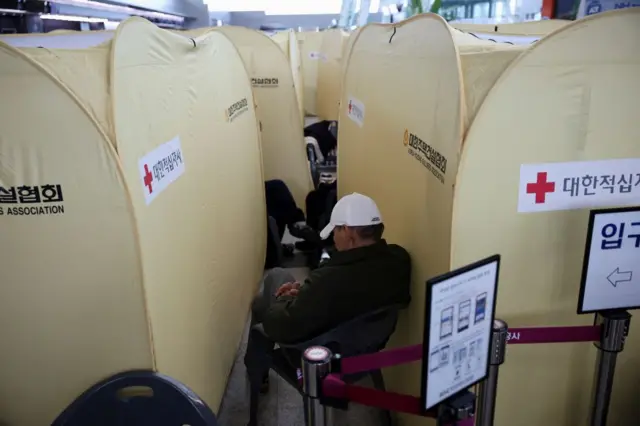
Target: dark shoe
(305,232)
(264,387)
(305,246)
(287,250)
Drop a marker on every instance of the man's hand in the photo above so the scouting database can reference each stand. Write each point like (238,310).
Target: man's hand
(286,289)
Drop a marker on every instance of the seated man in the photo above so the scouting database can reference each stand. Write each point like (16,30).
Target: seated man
(363,275)
(282,207)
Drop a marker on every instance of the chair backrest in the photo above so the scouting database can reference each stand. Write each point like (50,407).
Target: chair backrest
(364,334)
(137,398)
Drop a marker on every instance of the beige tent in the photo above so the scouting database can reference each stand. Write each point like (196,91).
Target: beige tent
(283,150)
(295,60)
(529,28)
(142,258)
(288,42)
(282,40)
(413,181)
(310,44)
(329,83)
(58,40)
(582,115)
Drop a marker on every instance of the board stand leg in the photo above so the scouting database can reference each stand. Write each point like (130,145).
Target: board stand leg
(316,365)
(615,327)
(489,387)
(461,406)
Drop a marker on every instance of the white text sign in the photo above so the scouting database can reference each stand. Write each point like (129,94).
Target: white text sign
(579,185)
(160,168)
(611,275)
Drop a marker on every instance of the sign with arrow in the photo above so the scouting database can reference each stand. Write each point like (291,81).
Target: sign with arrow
(611,269)
(619,277)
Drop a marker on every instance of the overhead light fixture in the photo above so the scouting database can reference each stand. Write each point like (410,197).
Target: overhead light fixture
(72,18)
(121,9)
(13,11)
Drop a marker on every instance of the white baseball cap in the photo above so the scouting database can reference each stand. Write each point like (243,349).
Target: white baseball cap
(353,210)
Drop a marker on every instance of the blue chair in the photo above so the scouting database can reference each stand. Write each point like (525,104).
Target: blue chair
(365,334)
(137,398)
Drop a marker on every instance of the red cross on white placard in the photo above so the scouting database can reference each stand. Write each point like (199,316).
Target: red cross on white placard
(148,179)
(541,187)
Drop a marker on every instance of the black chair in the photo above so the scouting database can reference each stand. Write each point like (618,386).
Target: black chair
(137,398)
(365,334)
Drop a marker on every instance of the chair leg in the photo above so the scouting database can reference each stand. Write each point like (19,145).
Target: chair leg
(378,383)
(254,398)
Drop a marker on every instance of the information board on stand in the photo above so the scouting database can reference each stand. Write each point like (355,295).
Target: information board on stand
(459,314)
(611,268)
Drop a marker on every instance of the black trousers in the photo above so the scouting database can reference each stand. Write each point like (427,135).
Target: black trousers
(281,205)
(259,347)
(319,203)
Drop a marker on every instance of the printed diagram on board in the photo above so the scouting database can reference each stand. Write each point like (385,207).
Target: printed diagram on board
(462,357)
(459,320)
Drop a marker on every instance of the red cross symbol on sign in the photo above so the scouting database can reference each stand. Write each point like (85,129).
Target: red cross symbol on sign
(541,187)
(148,178)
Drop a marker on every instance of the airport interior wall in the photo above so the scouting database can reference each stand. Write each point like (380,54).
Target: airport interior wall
(451,199)
(283,151)
(145,241)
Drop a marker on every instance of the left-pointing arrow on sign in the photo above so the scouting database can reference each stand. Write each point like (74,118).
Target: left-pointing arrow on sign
(617,277)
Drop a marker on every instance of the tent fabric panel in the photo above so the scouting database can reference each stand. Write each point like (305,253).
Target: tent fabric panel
(62,40)
(283,150)
(480,72)
(330,73)
(571,97)
(395,153)
(203,237)
(295,60)
(282,40)
(72,307)
(542,27)
(310,43)
(85,73)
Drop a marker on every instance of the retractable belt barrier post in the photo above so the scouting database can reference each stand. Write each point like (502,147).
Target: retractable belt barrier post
(615,327)
(488,388)
(316,365)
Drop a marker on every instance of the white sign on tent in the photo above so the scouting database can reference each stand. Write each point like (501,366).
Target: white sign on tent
(579,185)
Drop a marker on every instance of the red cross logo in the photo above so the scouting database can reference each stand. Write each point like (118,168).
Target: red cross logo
(148,178)
(541,187)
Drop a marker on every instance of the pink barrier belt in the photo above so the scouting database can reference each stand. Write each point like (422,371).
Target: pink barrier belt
(334,387)
(392,357)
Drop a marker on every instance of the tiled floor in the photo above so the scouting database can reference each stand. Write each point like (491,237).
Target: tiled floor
(282,406)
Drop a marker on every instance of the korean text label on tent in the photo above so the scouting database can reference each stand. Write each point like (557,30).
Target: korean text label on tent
(355,111)
(31,200)
(160,168)
(578,185)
